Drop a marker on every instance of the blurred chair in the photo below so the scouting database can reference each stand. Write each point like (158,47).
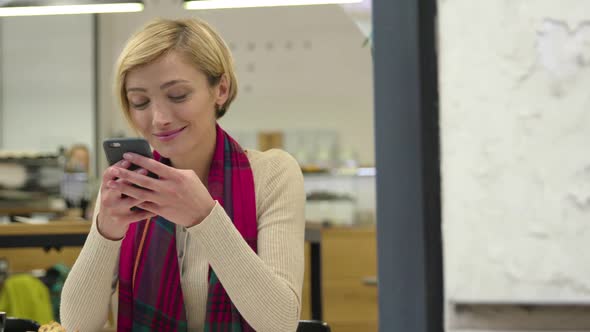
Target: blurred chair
(25,296)
(20,325)
(313,326)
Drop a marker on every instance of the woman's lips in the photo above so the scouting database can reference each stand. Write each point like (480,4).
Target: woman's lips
(169,135)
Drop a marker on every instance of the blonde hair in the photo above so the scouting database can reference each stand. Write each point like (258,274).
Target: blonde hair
(196,41)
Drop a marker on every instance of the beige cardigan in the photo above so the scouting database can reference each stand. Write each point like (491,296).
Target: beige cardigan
(266,288)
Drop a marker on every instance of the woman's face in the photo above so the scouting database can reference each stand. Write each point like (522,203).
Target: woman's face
(172,104)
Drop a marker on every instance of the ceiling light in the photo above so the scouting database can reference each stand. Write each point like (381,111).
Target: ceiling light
(51,7)
(223,4)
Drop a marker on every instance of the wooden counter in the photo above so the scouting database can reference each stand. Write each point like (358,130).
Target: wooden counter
(55,234)
(51,228)
(339,263)
(28,247)
(27,210)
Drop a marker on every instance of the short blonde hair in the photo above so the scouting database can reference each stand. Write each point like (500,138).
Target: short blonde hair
(196,40)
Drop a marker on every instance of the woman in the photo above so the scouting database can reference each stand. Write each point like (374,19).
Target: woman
(219,242)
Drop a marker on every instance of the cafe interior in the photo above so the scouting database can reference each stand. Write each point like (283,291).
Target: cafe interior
(305,86)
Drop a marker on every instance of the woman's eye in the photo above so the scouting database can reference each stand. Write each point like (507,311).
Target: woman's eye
(177,98)
(140,105)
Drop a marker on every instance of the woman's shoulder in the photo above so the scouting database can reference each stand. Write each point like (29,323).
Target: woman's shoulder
(273,161)
(275,173)
(270,158)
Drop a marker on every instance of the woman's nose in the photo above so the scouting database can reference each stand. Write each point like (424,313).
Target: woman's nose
(161,116)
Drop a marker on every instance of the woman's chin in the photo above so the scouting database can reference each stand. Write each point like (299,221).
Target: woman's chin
(165,150)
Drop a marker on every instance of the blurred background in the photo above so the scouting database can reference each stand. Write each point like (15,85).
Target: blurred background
(514,121)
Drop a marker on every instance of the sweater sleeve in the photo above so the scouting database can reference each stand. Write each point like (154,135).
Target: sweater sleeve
(87,291)
(265,287)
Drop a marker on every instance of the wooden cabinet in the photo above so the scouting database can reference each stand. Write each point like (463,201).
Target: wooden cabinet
(28,259)
(349,260)
(22,244)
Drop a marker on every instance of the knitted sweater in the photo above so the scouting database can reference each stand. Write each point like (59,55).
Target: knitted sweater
(265,287)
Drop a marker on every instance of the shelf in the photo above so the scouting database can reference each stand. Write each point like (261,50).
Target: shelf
(520,315)
(546,303)
(350,172)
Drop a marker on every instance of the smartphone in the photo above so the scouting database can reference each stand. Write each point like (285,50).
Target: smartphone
(114,148)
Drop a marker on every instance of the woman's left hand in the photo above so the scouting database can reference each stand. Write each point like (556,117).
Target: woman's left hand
(177,195)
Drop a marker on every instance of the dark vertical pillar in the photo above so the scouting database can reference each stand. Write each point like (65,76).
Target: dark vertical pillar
(407,161)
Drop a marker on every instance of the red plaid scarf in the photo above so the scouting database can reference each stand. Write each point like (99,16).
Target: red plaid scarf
(150,294)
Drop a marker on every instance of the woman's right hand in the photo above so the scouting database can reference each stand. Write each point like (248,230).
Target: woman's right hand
(115,213)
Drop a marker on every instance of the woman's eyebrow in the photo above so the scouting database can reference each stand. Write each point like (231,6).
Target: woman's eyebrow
(136,89)
(162,87)
(170,83)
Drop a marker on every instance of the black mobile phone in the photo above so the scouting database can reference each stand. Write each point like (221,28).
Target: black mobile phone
(114,148)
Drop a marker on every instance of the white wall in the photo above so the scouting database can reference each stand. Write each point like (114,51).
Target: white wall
(47,82)
(515,125)
(298,68)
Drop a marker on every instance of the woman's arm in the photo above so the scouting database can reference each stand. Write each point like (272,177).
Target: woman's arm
(266,288)
(87,291)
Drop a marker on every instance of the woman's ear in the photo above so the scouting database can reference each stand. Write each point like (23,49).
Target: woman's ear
(222,90)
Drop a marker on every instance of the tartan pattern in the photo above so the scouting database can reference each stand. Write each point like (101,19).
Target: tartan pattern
(150,293)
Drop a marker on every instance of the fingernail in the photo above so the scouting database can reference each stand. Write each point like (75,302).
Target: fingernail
(125,163)
(143,171)
(128,156)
